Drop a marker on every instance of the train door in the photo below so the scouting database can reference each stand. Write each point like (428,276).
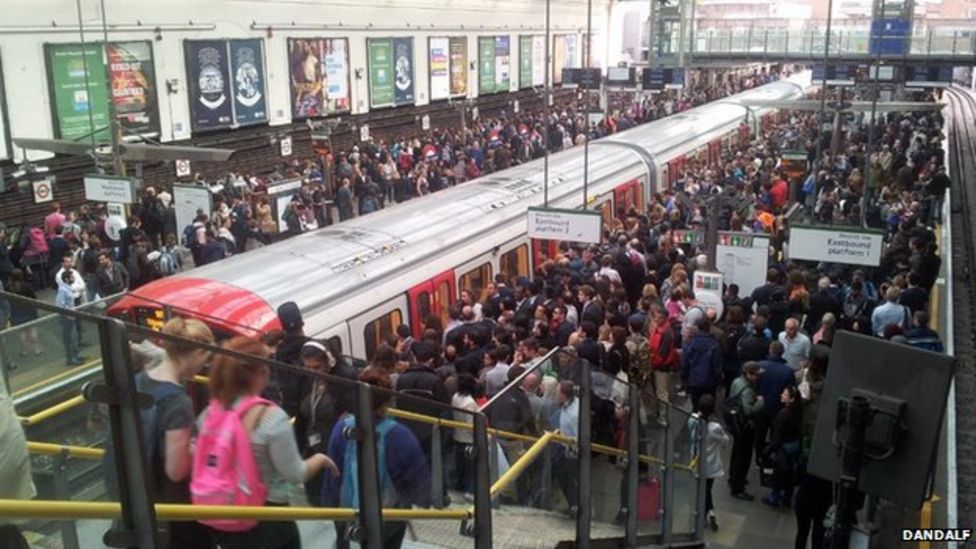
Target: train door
(433,296)
(514,260)
(604,205)
(663,181)
(475,276)
(675,169)
(542,251)
(714,152)
(629,196)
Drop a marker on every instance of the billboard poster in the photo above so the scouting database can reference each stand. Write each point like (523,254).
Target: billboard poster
(486,64)
(211,103)
(502,63)
(319,75)
(459,65)
(79,91)
(4,133)
(525,62)
(247,77)
(403,69)
(558,57)
(572,51)
(538,60)
(380,55)
(133,83)
(438,61)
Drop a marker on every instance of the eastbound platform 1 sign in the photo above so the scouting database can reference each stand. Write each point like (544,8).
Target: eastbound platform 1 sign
(106,188)
(571,225)
(837,245)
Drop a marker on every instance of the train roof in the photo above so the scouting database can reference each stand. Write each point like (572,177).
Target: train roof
(323,267)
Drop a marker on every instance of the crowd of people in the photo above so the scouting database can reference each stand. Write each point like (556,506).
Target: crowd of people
(625,306)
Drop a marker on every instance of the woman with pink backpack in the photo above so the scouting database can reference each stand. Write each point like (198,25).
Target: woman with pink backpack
(246,453)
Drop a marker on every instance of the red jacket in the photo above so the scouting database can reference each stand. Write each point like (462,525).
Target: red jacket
(664,352)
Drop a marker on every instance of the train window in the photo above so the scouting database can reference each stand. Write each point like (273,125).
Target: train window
(476,280)
(443,301)
(376,332)
(515,262)
(606,212)
(423,305)
(335,344)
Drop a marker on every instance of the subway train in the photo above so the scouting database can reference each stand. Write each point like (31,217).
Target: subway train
(357,281)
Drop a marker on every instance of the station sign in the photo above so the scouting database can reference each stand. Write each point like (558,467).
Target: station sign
(848,246)
(928,76)
(43,191)
(568,225)
(107,188)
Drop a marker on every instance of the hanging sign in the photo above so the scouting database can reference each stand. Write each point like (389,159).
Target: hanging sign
(43,191)
(569,225)
(285,146)
(106,188)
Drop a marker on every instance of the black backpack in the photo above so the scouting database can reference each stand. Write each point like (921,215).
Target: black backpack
(734,415)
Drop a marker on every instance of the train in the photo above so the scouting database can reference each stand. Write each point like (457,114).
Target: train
(356,281)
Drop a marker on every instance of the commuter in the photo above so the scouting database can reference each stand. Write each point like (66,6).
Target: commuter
(110,277)
(15,468)
(463,402)
(403,467)
(701,362)
(419,380)
(168,430)
(921,336)
(235,385)
(891,313)
(565,416)
(321,408)
(777,376)
(783,450)
(743,391)
(796,345)
(69,325)
(6,265)
(664,358)
(286,387)
(708,440)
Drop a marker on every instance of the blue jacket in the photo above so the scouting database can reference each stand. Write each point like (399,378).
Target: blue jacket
(406,467)
(701,362)
(777,375)
(924,338)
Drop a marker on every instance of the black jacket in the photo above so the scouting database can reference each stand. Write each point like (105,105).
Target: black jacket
(821,302)
(421,381)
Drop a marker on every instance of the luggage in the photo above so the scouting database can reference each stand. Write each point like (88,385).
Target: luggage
(649,500)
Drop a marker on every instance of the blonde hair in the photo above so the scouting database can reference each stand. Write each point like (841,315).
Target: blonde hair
(189,329)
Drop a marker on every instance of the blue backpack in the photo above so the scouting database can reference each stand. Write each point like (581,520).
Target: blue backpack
(150,438)
(350,468)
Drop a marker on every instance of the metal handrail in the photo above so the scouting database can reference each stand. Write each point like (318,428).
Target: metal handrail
(515,470)
(73,510)
(49,449)
(52,411)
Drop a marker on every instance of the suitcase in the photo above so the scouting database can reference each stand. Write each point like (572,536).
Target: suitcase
(649,500)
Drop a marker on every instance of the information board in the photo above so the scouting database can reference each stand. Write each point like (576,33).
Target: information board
(743,258)
(837,75)
(568,225)
(80,85)
(188,200)
(620,76)
(843,245)
(658,79)
(319,76)
(928,76)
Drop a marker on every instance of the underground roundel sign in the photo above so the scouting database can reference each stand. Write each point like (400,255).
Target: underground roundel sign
(43,191)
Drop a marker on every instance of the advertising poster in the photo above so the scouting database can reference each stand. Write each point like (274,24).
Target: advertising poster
(247,77)
(319,74)
(558,57)
(572,51)
(403,70)
(4,133)
(525,62)
(486,64)
(380,52)
(211,103)
(133,84)
(438,60)
(75,106)
(503,63)
(459,65)
(538,60)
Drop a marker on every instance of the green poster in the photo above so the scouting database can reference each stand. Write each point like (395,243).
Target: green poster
(381,75)
(77,101)
(525,61)
(486,64)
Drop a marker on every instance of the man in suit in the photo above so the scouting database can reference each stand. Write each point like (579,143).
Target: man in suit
(590,309)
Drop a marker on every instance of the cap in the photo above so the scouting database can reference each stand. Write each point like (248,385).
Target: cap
(290,316)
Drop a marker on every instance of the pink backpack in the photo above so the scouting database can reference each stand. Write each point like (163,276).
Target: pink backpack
(224,469)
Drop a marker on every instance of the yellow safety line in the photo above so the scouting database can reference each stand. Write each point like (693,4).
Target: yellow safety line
(925,516)
(54,379)
(57,409)
(925,520)
(46,448)
(70,510)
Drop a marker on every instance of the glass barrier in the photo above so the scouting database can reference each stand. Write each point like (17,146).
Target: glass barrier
(756,39)
(685,431)
(608,465)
